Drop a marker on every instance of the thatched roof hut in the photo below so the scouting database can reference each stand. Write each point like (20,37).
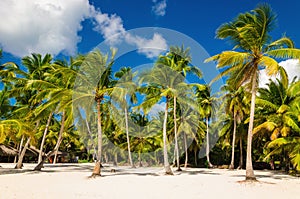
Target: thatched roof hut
(7,150)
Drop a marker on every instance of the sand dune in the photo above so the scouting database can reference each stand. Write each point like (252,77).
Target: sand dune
(71,181)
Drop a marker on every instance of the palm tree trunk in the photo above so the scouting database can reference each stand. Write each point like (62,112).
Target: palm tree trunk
(185,149)
(59,140)
(22,154)
(20,148)
(116,159)
(207,145)
(175,132)
(90,134)
(249,168)
(231,166)
(241,154)
(39,166)
(195,157)
(97,168)
(140,160)
(44,137)
(166,159)
(127,137)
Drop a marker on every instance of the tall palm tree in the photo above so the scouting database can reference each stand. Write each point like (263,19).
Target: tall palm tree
(235,107)
(178,59)
(250,33)
(96,77)
(162,83)
(58,88)
(26,102)
(206,108)
(125,87)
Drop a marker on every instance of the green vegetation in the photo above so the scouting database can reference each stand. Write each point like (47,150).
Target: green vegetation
(83,108)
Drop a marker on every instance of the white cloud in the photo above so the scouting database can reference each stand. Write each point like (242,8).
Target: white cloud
(111,27)
(52,26)
(156,109)
(43,26)
(292,67)
(159,7)
(150,47)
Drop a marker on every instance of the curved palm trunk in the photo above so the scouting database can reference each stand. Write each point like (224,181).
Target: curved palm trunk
(249,168)
(185,149)
(97,168)
(207,145)
(241,154)
(44,137)
(175,132)
(233,142)
(39,166)
(127,137)
(166,159)
(59,140)
(19,149)
(22,154)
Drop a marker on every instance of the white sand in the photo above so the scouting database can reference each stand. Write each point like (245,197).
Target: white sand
(71,181)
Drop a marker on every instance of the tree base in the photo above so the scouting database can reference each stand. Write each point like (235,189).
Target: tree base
(170,173)
(19,166)
(211,166)
(231,167)
(251,179)
(97,170)
(179,169)
(94,175)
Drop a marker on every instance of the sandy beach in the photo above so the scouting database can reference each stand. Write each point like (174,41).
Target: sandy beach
(71,181)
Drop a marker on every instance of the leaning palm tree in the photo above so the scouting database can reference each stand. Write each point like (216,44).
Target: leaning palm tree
(250,33)
(26,102)
(57,87)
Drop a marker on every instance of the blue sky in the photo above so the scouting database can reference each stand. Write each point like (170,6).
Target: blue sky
(66,27)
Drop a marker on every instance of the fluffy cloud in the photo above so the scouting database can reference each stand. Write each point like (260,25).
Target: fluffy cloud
(149,47)
(112,30)
(52,26)
(292,67)
(159,7)
(111,27)
(43,26)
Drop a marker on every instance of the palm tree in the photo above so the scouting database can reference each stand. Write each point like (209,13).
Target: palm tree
(58,88)
(235,107)
(179,60)
(96,77)
(26,102)
(162,83)
(122,89)
(206,109)
(250,32)
(277,107)
(277,114)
